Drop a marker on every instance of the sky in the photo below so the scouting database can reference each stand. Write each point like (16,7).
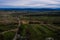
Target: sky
(29,3)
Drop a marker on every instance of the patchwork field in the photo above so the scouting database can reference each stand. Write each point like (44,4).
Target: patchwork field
(39,31)
(29,27)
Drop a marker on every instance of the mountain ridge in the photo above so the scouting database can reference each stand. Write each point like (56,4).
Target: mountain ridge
(31,9)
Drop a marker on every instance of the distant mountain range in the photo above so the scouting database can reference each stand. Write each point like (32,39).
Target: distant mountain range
(30,9)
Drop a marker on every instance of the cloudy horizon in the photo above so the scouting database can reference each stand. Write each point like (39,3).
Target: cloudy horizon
(29,3)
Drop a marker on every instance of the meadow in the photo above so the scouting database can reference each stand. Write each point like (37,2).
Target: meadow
(30,28)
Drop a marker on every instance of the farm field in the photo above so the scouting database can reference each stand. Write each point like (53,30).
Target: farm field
(39,31)
(29,27)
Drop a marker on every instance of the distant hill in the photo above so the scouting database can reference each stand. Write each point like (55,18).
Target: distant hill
(30,9)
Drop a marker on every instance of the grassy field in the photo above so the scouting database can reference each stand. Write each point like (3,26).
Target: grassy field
(48,28)
(7,27)
(7,36)
(39,31)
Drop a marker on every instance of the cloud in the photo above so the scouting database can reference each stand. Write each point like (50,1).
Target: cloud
(30,3)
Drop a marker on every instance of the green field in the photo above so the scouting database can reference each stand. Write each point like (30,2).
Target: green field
(7,27)
(7,36)
(49,28)
(39,31)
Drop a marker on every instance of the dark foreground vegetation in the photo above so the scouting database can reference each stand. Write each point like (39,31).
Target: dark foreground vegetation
(32,26)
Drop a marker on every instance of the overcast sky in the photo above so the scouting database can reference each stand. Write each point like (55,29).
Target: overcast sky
(29,3)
